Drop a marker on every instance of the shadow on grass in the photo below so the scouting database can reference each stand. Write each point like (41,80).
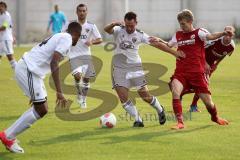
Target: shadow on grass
(149,135)
(9,118)
(90,135)
(5,156)
(77,136)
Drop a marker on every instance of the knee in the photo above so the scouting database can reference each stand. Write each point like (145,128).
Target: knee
(123,99)
(209,104)
(77,77)
(86,80)
(41,109)
(147,98)
(175,94)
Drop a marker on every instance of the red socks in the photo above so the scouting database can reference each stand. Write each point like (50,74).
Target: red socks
(213,112)
(177,108)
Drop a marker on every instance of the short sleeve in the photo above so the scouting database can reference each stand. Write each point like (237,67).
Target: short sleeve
(173,41)
(202,33)
(96,33)
(145,38)
(63,45)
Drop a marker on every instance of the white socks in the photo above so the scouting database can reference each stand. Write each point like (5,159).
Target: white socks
(23,123)
(155,104)
(13,64)
(132,110)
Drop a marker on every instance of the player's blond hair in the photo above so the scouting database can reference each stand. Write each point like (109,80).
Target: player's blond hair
(185,14)
(230,28)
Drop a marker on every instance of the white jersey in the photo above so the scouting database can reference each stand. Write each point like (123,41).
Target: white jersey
(128,45)
(39,58)
(89,32)
(6,20)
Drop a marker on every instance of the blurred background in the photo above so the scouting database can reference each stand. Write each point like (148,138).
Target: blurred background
(155,17)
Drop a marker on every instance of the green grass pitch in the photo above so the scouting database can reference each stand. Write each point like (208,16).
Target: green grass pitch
(54,139)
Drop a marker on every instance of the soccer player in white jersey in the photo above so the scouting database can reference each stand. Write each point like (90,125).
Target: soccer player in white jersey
(127,71)
(30,71)
(6,37)
(80,55)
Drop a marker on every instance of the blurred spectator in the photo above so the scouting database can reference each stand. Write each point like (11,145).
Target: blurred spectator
(56,21)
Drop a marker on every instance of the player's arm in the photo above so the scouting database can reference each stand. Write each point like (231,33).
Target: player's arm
(57,57)
(165,48)
(97,41)
(159,40)
(109,28)
(49,23)
(217,35)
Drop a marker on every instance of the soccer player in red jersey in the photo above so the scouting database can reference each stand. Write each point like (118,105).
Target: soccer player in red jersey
(189,72)
(215,52)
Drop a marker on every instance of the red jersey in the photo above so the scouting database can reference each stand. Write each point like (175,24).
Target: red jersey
(218,50)
(192,44)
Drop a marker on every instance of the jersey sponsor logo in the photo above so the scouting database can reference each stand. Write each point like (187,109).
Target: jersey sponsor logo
(83,36)
(87,30)
(134,39)
(186,42)
(126,45)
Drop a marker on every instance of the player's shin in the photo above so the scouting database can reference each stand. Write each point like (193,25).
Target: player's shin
(195,100)
(213,112)
(177,108)
(85,87)
(13,63)
(24,122)
(155,104)
(132,110)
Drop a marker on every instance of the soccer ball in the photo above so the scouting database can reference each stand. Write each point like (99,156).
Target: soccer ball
(108,120)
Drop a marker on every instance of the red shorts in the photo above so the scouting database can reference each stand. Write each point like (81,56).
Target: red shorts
(192,82)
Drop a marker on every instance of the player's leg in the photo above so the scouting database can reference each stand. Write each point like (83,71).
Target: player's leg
(193,106)
(177,88)
(153,101)
(77,80)
(33,87)
(128,105)
(211,107)
(88,72)
(9,52)
(85,85)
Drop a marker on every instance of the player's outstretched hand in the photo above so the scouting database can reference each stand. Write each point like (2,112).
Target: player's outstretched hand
(61,100)
(153,39)
(180,54)
(228,32)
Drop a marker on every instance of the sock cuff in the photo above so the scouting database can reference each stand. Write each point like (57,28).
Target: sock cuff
(176,101)
(126,103)
(86,85)
(153,100)
(36,115)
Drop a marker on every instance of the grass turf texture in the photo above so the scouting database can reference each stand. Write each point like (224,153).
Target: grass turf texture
(52,138)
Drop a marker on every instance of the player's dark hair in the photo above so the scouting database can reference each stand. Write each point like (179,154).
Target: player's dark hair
(130,15)
(74,27)
(81,5)
(4,4)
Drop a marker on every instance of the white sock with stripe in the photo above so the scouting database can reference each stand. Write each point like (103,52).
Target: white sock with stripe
(22,123)
(132,110)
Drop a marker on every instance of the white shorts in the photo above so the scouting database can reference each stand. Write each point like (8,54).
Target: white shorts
(31,84)
(6,47)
